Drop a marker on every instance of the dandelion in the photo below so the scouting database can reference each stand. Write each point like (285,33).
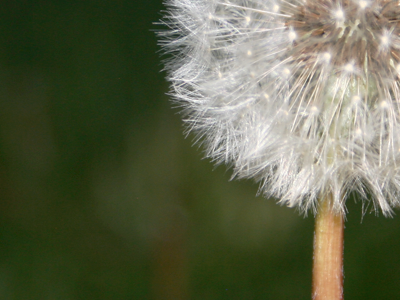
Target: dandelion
(301,95)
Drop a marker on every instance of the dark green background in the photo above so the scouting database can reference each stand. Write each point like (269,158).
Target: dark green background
(102,197)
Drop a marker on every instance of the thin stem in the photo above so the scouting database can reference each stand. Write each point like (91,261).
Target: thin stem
(328,253)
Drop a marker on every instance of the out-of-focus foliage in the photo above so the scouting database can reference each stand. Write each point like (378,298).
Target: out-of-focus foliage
(101,197)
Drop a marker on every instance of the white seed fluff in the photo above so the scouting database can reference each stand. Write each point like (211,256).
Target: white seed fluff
(302,95)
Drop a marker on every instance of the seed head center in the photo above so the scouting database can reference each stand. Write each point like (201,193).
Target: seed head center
(348,32)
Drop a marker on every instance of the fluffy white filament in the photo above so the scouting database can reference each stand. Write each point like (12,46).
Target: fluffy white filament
(302,95)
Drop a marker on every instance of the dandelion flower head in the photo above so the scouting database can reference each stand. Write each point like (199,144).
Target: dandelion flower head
(302,95)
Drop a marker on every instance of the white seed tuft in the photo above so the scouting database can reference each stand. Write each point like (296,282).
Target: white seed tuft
(356,99)
(303,96)
(339,15)
(349,67)
(326,57)
(363,4)
(384,104)
(292,35)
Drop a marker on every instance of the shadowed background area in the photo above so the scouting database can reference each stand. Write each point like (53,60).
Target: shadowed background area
(102,197)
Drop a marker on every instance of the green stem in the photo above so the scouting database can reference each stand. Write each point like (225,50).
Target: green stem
(328,253)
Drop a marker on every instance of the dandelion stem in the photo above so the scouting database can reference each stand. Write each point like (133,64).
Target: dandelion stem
(328,253)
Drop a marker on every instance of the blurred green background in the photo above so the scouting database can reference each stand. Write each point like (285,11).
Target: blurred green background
(102,197)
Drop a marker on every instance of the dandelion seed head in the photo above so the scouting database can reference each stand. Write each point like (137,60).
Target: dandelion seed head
(302,96)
